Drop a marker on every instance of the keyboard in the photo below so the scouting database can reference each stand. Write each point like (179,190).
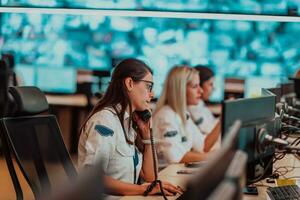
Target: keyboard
(290,192)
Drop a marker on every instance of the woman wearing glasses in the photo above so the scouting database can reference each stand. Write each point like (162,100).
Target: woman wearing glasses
(172,121)
(107,133)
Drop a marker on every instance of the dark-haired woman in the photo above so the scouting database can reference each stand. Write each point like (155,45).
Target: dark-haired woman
(108,135)
(200,113)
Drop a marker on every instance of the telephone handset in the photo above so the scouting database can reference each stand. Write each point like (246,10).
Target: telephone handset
(145,115)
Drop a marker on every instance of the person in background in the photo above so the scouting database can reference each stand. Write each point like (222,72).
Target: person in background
(200,113)
(172,121)
(108,136)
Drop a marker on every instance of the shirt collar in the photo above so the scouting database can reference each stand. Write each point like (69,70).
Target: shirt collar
(131,134)
(201,103)
(126,114)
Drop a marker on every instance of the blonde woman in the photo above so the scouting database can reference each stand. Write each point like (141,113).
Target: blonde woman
(173,123)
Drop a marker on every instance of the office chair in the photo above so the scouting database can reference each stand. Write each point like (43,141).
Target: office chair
(36,142)
(4,77)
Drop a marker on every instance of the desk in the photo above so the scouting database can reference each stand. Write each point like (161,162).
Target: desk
(78,100)
(170,174)
(288,160)
(70,110)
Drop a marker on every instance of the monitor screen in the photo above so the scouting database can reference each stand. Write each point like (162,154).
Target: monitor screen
(273,91)
(236,48)
(213,173)
(57,80)
(278,7)
(255,114)
(232,185)
(226,190)
(25,75)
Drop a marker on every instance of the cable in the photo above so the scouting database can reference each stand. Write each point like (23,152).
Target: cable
(279,156)
(145,116)
(297,155)
(282,173)
(156,181)
(271,161)
(287,169)
(263,174)
(296,140)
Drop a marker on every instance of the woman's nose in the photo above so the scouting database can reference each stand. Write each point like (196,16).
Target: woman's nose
(151,94)
(200,90)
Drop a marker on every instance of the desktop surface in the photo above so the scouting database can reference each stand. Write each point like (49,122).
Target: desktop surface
(170,174)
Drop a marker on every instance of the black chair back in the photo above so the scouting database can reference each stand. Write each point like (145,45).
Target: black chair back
(36,142)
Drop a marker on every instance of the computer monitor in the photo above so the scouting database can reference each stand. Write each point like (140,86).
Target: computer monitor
(226,190)
(56,80)
(256,114)
(272,91)
(202,185)
(232,185)
(88,185)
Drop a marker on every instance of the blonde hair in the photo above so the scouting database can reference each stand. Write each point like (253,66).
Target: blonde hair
(174,91)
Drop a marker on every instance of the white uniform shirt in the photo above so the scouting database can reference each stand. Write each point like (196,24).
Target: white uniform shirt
(167,125)
(103,139)
(203,117)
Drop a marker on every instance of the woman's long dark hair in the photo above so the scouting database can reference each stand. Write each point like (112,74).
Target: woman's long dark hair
(116,93)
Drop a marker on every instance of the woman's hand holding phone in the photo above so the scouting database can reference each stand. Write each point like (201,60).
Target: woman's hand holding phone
(142,126)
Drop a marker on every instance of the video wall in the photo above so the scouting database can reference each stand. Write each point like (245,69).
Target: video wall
(264,53)
(267,7)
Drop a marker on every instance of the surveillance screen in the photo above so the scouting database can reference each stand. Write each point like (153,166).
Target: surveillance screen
(275,7)
(91,42)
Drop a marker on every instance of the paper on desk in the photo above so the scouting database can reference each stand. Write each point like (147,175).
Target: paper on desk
(283,182)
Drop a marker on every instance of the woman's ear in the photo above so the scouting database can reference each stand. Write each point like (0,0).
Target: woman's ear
(128,83)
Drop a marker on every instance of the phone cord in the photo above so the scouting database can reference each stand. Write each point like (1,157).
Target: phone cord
(156,181)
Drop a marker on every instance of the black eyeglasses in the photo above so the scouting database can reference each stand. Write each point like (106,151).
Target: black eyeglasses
(149,84)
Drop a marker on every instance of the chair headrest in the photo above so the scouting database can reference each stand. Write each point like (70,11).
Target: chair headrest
(28,100)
